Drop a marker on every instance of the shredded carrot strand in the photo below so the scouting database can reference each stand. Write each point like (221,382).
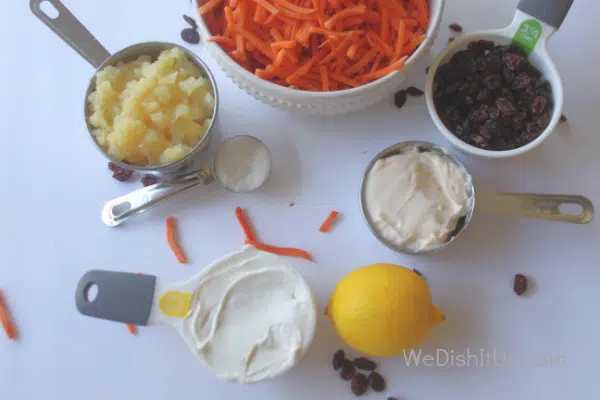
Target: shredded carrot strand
(324,78)
(172,240)
(328,222)
(348,12)
(245,224)
(132,329)
(282,251)
(6,319)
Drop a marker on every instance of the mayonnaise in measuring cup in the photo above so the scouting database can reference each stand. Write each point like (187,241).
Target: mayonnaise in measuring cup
(252,317)
(415,199)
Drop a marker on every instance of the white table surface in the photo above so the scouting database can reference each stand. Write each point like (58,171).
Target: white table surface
(55,183)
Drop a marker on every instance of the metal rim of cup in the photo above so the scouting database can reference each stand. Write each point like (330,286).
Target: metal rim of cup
(399,148)
(155,47)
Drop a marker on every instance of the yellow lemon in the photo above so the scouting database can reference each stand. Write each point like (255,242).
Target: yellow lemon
(383,310)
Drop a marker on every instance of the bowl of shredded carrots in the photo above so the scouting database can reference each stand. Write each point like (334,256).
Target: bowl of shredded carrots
(319,56)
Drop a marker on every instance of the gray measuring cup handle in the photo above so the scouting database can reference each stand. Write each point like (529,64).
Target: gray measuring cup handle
(537,206)
(72,32)
(119,210)
(551,12)
(121,296)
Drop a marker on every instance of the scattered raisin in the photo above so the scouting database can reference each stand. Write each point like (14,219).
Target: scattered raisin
(119,173)
(190,21)
(338,359)
(347,370)
(427,69)
(563,118)
(359,385)
(520,286)
(455,27)
(190,35)
(148,180)
(376,382)
(365,364)
(414,91)
(400,98)
(292,204)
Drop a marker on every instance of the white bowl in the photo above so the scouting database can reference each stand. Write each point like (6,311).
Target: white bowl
(539,58)
(324,103)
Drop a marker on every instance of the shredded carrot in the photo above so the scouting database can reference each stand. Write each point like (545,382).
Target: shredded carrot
(6,319)
(318,45)
(282,251)
(328,222)
(172,240)
(132,329)
(245,224)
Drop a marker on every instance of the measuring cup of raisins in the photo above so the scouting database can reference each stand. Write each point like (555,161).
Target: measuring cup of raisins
(497,93)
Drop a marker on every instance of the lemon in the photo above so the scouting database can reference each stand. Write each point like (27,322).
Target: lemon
(383,310)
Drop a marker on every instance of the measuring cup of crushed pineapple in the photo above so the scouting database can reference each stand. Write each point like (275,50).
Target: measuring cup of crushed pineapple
(149,107)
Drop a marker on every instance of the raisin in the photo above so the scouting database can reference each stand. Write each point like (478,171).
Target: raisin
(480,141)
(538,104)
(347,370)
(506,107)
(493,81)
(338,359)
(359,385)
(520,284)
(493,113)
(365,364)
(190,21)
(376,382)
(508,75)
(400,98)
(190,35)
(481,46)
(465,62)
(148,180)
(563,118)
(119,173)
(492,65)
(522,81)
(512,61)
(479,115)
(484,96)
(455,27)
(414,91)
(484,132)
(427,69)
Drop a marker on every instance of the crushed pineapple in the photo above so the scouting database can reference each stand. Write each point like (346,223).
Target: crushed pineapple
(151,113)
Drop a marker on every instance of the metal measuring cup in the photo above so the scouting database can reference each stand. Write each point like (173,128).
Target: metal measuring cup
(119,210)
(72,32)
(535,21)
(523,205)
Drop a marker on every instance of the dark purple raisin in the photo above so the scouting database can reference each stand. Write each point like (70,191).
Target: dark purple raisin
(112,166)
(522,81)
(493,82)
(508,75)
(481,46)
(484,132)
(455,27)
(148,180)
(492,65)
(400,98)
(365,364)
(563,118)
(538,104)
(347,370)
(359,385)
(190,35)
(479,141)
(507,93)
(506,107)
(479,115)
(484,96)
(119,173)
(190,21)
(493,112)
(465,62)
(499,143)
(414,91)
(520,284)
(376,382)
(512,61)
(338,359)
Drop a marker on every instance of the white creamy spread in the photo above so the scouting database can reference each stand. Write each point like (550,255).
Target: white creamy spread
(253,316)
(415,199)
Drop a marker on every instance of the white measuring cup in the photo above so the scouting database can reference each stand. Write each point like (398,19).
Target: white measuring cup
(254,298)
(535,21)
(119,210)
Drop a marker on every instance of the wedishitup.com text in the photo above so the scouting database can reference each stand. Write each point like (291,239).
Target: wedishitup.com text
(481,358)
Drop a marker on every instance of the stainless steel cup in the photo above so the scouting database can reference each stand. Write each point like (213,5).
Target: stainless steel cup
(72,32)
(523,205)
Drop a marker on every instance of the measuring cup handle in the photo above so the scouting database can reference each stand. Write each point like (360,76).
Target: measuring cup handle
(119,210)
(122,297)
(72,32)
(551,12)
(537,206)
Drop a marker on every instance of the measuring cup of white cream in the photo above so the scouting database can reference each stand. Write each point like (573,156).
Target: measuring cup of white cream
(535,21)
(249,316)
(418,197)
(241,164)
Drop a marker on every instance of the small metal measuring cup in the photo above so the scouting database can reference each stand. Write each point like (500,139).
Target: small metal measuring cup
(72,32)
(523,205)
(535,21)
(119,210)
